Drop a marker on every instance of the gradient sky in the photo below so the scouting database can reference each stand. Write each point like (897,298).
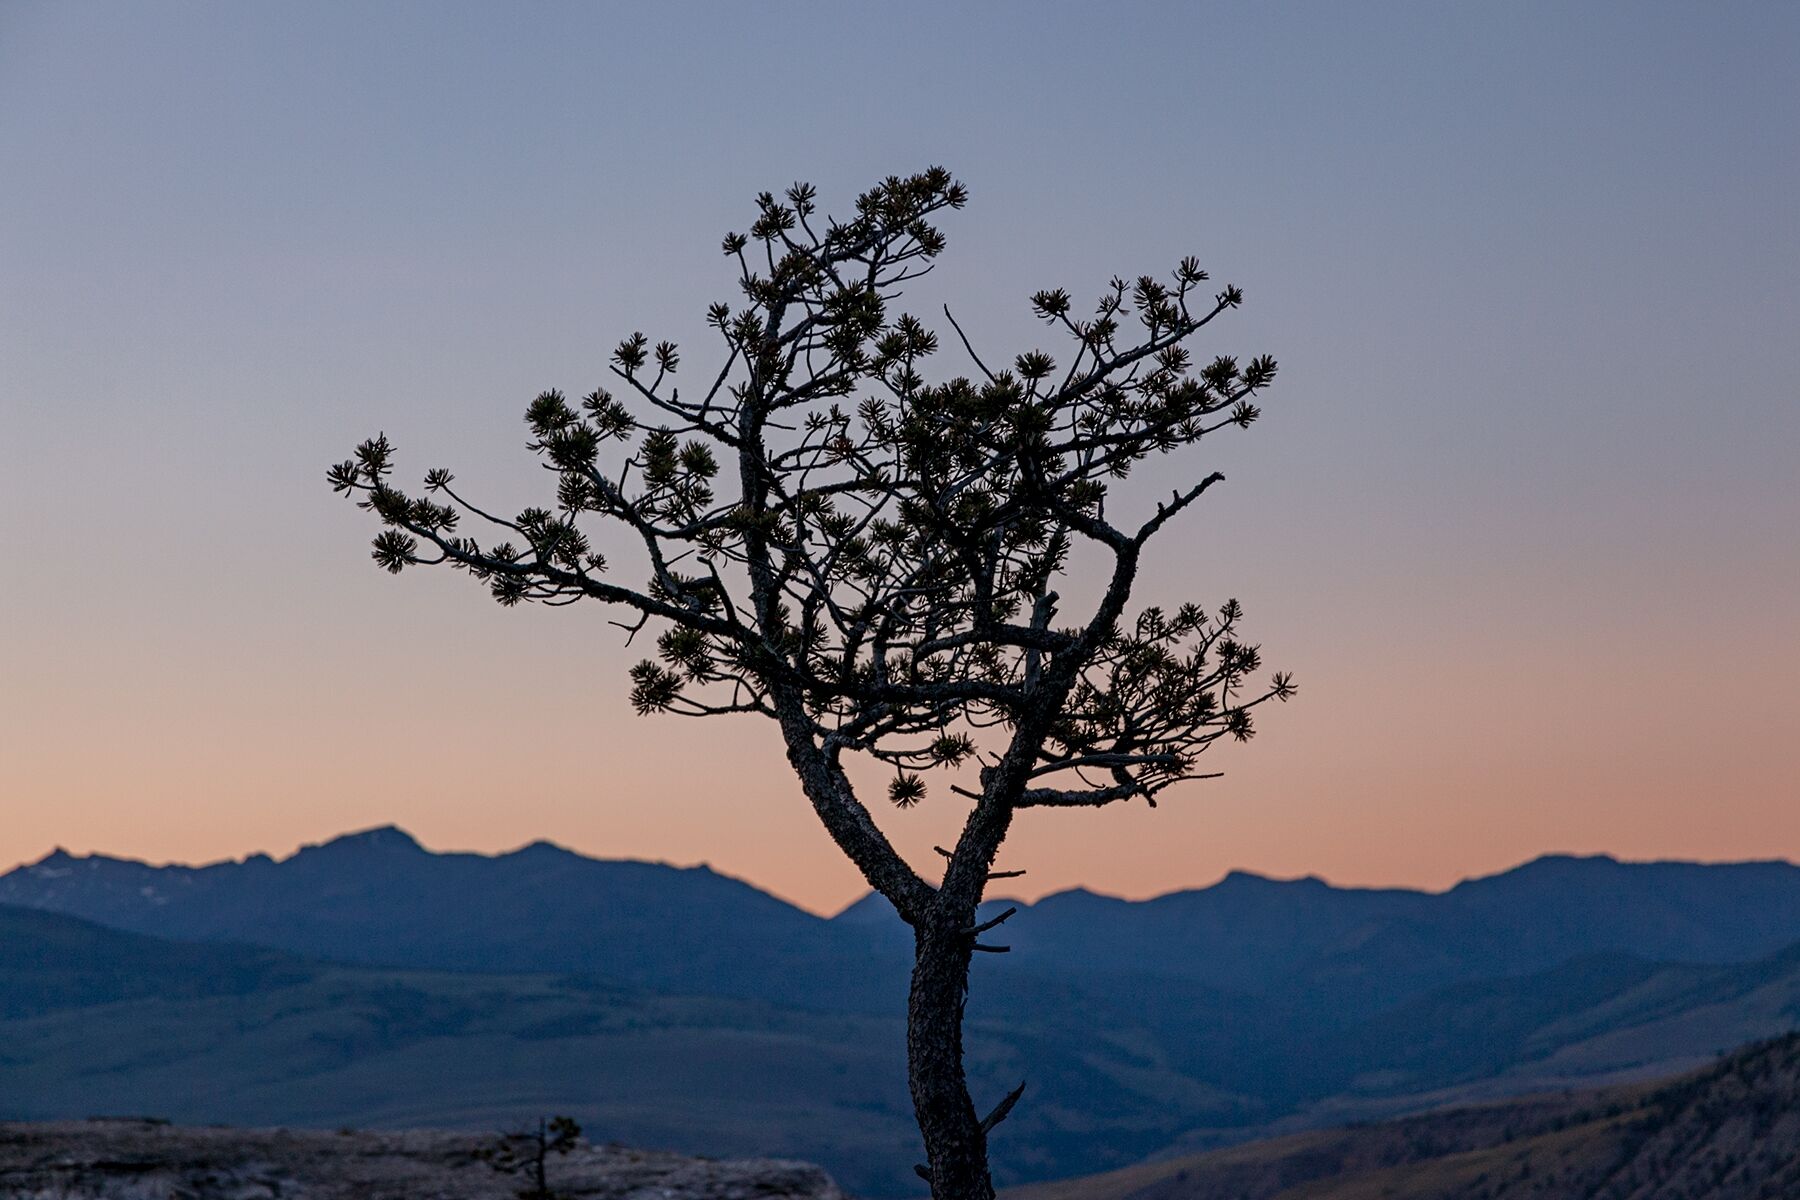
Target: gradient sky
(1521,515)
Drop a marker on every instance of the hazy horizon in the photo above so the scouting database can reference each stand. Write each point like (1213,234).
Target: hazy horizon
(1519,515)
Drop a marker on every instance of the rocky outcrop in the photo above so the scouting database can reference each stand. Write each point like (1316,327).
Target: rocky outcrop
(148,1160)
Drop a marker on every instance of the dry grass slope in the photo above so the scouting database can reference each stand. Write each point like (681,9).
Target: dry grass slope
(1730,1132)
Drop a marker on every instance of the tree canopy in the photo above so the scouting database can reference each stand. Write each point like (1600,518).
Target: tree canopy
(826,532)
(911,530)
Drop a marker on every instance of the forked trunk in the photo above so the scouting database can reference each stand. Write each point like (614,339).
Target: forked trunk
(955,1142)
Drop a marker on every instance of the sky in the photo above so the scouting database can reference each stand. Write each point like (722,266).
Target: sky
(1520,515)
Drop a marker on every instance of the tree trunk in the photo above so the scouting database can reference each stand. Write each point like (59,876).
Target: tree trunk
(955,1143)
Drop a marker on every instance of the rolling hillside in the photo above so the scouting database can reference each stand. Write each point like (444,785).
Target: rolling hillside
(1729,1132)
(96,1021)
(101,1021)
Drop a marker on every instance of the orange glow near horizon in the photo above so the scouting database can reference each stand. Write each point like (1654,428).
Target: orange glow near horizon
(1397,780)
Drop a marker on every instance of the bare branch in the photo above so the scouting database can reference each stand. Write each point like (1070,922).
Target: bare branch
(1001,1109)
(978,930)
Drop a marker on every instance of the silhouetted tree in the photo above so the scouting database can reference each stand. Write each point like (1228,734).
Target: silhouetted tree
(527,1153)
(823,536)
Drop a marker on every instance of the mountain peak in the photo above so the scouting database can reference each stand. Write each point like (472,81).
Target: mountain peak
(53,865)
(1254,879)
(1083,895)
(1241,878)
(870,907)
(386,838)
(1564,859)
(543,848)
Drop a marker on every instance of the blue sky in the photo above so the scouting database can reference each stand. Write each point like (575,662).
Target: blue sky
(1520,516)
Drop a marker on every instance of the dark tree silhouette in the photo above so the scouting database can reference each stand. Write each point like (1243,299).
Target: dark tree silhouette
(527,1153)
(824,537)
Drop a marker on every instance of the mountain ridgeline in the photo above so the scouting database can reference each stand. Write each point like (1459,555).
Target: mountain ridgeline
(368,981)
(378,897)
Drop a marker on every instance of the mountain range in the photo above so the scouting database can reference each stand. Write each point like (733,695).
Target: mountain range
(370,981)
(378,897)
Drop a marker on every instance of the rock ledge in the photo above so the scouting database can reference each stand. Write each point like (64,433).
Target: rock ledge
(149,1160)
